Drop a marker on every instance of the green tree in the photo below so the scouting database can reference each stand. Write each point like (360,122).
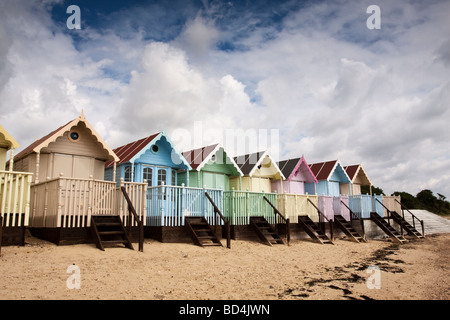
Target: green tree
(428,199)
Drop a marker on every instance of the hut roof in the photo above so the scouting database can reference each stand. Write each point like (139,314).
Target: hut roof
(43,142)
(324,170)
(355,171)
(197,158)
(6,141)
(291,166)
(250,162)
(133,150)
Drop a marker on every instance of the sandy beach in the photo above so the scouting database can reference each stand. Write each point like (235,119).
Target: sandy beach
(250,270)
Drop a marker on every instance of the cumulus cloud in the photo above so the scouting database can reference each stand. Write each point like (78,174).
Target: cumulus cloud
(332,87)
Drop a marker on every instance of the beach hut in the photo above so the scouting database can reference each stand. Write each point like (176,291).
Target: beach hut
(211,167)
(153,158)
(330,175)
(260,172)
(14,194)
(358,177)
(68,182)
(296,172)
(250,201)
(292,199)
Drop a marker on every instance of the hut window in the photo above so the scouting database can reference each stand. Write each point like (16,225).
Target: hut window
(127,174)
(147,174)
(174,178)
(74,136)
(161,176)
(155,148)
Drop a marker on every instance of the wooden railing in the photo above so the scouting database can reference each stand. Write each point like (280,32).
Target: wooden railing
(414,218)
(322,219)
(70,202)
(15,198)
(225,221)
(293,205)
(239,206)
(133,214)
(355,216)
(168,205)
(286,220)
(389,215)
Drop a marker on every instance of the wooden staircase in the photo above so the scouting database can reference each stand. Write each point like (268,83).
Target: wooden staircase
(201,232)
(406,225)
(264,231)
(108,231)
(313,230)
(387,228)
(348,229)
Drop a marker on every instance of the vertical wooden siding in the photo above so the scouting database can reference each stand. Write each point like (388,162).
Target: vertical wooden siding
(294,205)
(169,205)
(339,208)
(239,206)
(391,204)
(70,202)
(15,197)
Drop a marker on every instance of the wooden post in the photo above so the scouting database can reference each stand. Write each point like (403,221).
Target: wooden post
(59,204)
(11,160)
(120,201)
(38,159)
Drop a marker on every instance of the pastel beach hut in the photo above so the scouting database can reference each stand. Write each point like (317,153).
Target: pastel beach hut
(260,172)
(330,175)
(211,167)
(156,161)
(292,199)
(358,177)
(68,182)
(153,159)
(14,194)
(250,196)
(361,204)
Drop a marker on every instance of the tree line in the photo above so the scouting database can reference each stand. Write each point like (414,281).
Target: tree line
(425,200)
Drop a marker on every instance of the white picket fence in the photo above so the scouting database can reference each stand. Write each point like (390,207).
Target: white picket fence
(15,198)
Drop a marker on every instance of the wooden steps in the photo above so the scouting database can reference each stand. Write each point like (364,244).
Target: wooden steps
(108,231)
(201,232)
(387,228)
(264,231)
(348,229)
(313,230)
(406,225)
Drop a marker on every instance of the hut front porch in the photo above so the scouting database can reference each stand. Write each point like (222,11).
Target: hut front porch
(14,206)
(61,208)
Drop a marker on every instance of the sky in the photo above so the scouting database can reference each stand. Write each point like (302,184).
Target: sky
(295,77)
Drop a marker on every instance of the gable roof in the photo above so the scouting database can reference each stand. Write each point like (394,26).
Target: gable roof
(291,166)
(133,150)
(6,141)
(197,158)
(324,170)
(354,170)
(43,142)
(249,163)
